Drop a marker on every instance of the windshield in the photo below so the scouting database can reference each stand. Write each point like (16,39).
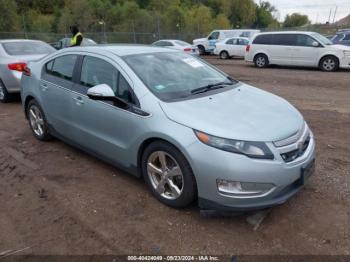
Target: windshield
(174,75)
(324,40)
(27,48)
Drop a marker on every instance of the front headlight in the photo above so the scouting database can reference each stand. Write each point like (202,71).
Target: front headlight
(251,149)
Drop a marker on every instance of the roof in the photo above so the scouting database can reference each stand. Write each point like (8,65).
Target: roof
(122,49)
(287,32)
(17,40)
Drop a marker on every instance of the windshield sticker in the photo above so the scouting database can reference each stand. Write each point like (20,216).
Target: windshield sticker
(193,62)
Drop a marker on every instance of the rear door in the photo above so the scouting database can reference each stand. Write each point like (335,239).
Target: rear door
(100,126)
(55,89)
(281,49)
(304,53)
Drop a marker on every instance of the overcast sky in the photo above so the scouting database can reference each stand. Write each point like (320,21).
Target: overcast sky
(317,10)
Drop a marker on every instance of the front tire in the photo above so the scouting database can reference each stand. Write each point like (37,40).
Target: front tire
(4,95)
(37,121)
(224,55)
(168,175)
(329,64)
(261,61)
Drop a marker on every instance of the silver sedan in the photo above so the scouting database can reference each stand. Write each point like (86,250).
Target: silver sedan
(14,56)
(191,131)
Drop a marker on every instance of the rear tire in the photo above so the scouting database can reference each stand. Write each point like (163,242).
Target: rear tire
(329,64)
(168,175)
(224,55)
(4,95)
(261,61)
(37,121)
(201,50)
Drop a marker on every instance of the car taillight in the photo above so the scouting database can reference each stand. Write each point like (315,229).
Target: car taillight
(187,49)
(247,49)
(20,67)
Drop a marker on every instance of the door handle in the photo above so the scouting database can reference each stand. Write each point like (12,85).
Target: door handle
(44,87)
(78,100)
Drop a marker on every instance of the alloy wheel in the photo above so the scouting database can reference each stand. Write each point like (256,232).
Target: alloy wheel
(224,55)
(260,61)
(36,120)
(165,175)
(329,64)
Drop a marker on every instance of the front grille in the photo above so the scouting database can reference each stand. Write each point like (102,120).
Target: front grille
(293,147)
(292,155)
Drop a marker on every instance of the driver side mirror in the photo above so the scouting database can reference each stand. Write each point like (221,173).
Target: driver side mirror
(104,92)
(100,91)
(315,44)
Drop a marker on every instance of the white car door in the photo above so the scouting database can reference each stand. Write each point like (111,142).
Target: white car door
(241,46)
(305,53)
(280,49)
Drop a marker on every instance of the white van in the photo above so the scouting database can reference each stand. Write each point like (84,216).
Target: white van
(207,44)
(297,49)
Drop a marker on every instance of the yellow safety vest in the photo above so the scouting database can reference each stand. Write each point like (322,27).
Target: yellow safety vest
(73,40)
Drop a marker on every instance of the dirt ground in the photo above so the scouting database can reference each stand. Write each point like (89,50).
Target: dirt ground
(55,199)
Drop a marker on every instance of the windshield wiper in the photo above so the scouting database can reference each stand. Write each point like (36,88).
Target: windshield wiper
(209,87)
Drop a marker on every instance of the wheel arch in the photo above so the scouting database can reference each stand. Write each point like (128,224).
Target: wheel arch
(328,55)
(260,53)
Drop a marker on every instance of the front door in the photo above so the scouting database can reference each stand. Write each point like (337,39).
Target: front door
(100,126)
(304,53)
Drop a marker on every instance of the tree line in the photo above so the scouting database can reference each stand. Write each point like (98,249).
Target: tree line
(165,16)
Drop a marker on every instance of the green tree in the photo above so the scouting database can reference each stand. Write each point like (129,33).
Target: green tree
(242,13)
(264,15)
(295,20)
(9,19)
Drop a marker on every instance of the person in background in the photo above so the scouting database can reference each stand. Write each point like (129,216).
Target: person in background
(77,36)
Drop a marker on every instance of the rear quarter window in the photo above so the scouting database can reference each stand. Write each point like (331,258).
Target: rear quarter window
(62,66)
(263,40)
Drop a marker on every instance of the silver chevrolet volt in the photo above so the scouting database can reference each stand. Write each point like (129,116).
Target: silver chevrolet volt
(191,131)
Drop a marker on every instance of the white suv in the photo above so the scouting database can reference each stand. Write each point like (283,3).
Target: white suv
(297,49)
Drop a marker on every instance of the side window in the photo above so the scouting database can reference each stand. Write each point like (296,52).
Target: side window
(62,66)
(214,36)
(242,42)
(304,40)
(235,42)
(229,42)
(166,43)
(284,39)
(159,43)
(124,88)
(346,38)
(263,40)
(96,71)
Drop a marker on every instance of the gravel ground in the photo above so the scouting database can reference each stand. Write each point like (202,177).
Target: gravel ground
(55,199)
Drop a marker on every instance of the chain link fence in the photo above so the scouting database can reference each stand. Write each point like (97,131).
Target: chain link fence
(148,37)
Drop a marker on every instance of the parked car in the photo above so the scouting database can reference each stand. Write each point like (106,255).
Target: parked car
(342,38)
(14,56)
(231,47)
(297,49)
(65,42)
(189,129)
(207,44)
(178,45)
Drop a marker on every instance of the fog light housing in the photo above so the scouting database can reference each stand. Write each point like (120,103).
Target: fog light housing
(236,188)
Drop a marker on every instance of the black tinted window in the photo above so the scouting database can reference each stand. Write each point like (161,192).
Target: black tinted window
(284,39)
(304,40)
(62,66)
(229,42)
(347,37)
(263,40)
(214,35)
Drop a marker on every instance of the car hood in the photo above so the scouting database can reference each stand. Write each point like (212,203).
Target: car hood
(243,113)
(199,40)
(341,47)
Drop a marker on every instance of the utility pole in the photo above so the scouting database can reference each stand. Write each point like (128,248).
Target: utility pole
(24,26)
(330,14)
(335,12)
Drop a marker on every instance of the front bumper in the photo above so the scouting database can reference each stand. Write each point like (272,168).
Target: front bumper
(210,164)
